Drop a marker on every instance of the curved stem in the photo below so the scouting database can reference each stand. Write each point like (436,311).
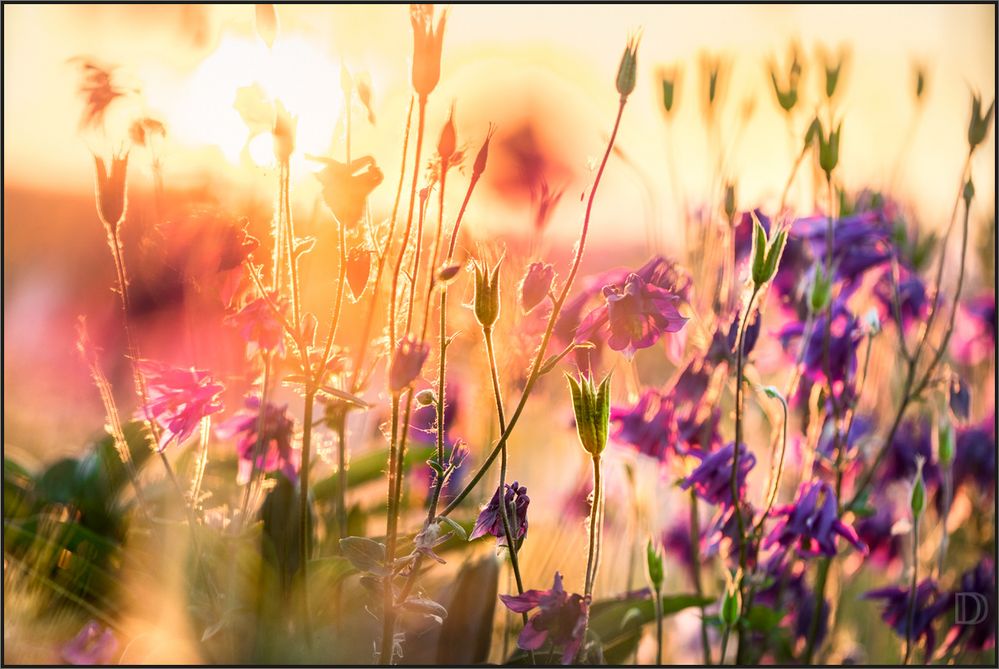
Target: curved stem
(910,620)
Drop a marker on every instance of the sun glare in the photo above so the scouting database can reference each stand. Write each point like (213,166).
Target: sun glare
(295,72)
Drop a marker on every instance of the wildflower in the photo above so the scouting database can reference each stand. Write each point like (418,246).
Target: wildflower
(547,199)
(649,426)
(979,636)
(670,80)
(98,90)
(712,478)
(930,604)
(978,127)
(860,242)
(259,325)
(358,270)
(591,407)
(636,314)
(845,335)
(407,362)
(491,522)
(264,439)
(346,187)
(447,143)
(179,399)
(142,130)
(812,523)
(112,199)
(561,618)
(427,43)
(284,130)
(486,301)
(974,330)
(882,535)
(535,285)
(787,590)
(975,456)
(722,534)
(628,66)
(787,98)
(913,440)
(913,303)
(93,645)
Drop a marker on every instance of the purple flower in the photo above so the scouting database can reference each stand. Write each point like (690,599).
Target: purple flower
(676,542)
(712,478)
(845,334)
(490,521)
(788,591)
(423,423)
(264,439)
(407,362)
(912,440)
(259,325)
(980,580)
(975,330)
(860,242)
(649,426)
(561,618)
(179,399)
(930,604)
(721,536)
(812,522)
(724,341)
(535,285)
(877,531)
(975,456)
(93,645)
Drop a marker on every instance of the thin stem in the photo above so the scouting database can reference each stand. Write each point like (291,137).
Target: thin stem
(337,305)
(593,534)
(388,612)
(657,605)
(695,566)
(910,620)
(820,587)
(341,436)
(303,509)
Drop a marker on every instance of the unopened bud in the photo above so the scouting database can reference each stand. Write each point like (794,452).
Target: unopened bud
(731,606)
(819,290)
(591,407)
(628,67)
(448,140)
(654,562)
(946,440)
(917,501)
(426,397)
(486,304)
(446,273)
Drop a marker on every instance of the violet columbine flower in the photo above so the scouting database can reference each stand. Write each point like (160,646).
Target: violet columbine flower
(712,479)
(407,362)
(884,542)
(913,302)
(491,522)
(860,242)
(264,439)
(93,645)
(535,285)
(912,440)
(812,523)
(259,326)
(976,583)
(721,535)
(930,605)
(561,618)
(975,456)
(975,330)
(178,399)
(845,335)
(648,426)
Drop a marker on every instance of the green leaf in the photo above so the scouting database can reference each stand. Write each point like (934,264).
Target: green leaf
(454,525)
(365,468)
(467,633)
(365,554)
(619,628)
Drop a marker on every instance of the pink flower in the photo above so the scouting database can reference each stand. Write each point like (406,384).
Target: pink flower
(535,285)
(561,618)
(259,325)
(178,399)
(93,645)
(407,362)
(264,441)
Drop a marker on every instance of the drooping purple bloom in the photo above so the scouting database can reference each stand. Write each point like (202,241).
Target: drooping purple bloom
(648,426)
(912,440)
(490,521)
(845,335)
(561,618)
(264,439)
(930,605)
(884,543)
(407,362)
(812,523)
(976,583)
(860,242)
(676,543)
(93,645)
(722,535)
(725,339)
(975,456)
(975,330)
(178,399)
(712,478)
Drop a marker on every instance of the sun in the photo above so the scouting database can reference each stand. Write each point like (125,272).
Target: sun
(296,71)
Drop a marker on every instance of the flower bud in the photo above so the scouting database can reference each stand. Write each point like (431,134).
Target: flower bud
(358,270)
(829,150)
(479,166)
(945,440)
(407,362)
(486,303)
(629,65)
(872,322)
(426,397)
(978,128)
(285,126)
(920,81)
(446,273)
(670,80)
(591,406)
(730,200)
(427,44)
(731,606)
(448,140)
(535,285)
(766,257)
(969,192)
(654,562)
(960,399)
(112,200)
(917,501)
(819,290)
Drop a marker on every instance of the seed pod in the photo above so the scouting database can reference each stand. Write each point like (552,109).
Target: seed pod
(917,500)
(486,303)
(629,65)
(591,406)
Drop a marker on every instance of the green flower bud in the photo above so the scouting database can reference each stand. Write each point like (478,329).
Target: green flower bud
(486,303)
(945,440)
(978,128)
(730,200)
(917,501)
(731,606)
(766,257)
(654,561)
(426,397)
(969,192)
(670,79)
(829,150)
(819,291)
(629,65)
(591,406)
(873,322)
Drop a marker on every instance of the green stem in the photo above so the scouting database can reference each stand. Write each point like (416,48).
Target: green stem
(388,612)
(695,566)
(593,548)
(910,620)
(303,511)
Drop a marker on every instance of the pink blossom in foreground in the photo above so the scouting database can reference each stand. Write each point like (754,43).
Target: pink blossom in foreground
(561,618)
(178,399)
(94,645)
(264,439)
